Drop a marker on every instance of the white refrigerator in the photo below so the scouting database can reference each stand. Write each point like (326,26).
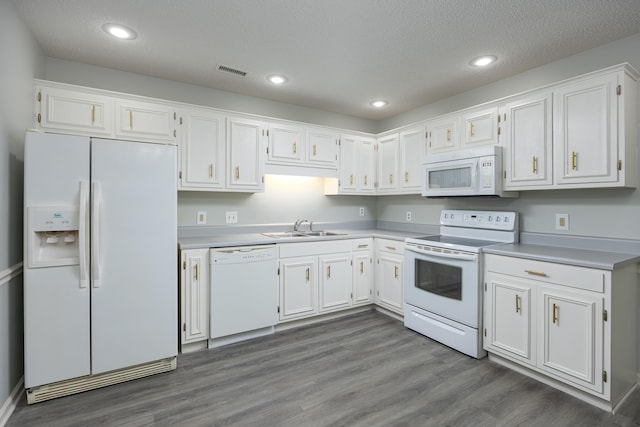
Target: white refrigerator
(100,277)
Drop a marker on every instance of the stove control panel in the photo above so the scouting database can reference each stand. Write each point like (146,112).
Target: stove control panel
(491,220)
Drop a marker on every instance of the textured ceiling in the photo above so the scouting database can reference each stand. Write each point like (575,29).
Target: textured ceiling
(338,54)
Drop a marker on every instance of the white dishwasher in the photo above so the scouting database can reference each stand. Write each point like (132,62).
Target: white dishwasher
(244,293)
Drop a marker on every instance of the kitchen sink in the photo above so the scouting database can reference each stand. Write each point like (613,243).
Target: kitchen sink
(320,233)
(287,234)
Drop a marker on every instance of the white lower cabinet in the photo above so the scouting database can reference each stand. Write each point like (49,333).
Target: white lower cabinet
(194,295)
(557,321)
(362,257)
(314,277)
(389,274)
(335,282)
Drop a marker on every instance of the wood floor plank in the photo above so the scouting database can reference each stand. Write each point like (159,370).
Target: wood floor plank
(365,369)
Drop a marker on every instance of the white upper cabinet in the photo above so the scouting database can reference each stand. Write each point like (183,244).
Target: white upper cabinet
(479,127)
(526,129)
(413,149)
(245,154)
(357,170)
(286,144)
(442,134)
(72,110)
(202,149)
(388,159)
(593,133)
(145,121)
(322,148)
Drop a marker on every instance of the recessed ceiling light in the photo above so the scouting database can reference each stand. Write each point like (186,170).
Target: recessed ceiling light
(119,31)
(277,79)
(483,61)
(379,103)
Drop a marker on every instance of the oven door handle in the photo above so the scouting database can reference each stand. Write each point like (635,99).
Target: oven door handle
(460,256)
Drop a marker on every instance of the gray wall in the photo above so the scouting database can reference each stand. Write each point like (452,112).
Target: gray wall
(601,213)
(22,60)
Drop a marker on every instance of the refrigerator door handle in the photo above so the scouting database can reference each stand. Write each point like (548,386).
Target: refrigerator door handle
(82,232)
(95,235)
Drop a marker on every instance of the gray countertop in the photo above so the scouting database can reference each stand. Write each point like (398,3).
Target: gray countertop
(604,260)
(227,240)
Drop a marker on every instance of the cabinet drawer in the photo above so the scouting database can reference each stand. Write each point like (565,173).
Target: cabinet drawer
(288,250)
(388,245)
(589,279)
(361,244)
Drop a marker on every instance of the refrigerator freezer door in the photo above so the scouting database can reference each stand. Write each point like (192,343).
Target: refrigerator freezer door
(56,305)
(134,308)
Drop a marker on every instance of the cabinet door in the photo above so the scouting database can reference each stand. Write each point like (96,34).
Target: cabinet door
(527,131)
(571,337)
(388,163)
(480,127)
(586,131)
(509,318)
(388,281)
(322,148)
(202,150)
(335,282)
(245,148)
(442,134)
(362,278)
(145,121)
(76,112)
(298,287)
(366,166)
(349,148)
(286,144)
(194,295)
(413,150)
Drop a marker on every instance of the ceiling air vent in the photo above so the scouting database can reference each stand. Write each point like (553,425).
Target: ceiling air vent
(232,70)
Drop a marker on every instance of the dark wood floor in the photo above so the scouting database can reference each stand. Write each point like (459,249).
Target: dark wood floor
(361,370)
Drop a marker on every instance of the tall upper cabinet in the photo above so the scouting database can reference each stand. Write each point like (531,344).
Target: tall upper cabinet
(595,131)
(580,133)
(246,146)
(202,150)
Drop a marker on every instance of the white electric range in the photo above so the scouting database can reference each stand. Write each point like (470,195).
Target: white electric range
(443,273)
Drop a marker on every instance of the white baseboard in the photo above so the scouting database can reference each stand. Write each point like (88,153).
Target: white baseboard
(10,404)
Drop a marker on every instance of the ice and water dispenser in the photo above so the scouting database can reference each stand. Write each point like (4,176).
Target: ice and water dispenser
(53,236)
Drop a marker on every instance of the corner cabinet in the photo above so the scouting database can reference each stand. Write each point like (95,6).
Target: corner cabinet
(194,296)
(572,327)
(357,168)
(246,147)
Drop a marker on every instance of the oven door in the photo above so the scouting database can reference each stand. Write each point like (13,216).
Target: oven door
(444,283)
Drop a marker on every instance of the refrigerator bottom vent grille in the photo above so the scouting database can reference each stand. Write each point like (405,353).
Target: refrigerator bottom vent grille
(91,382)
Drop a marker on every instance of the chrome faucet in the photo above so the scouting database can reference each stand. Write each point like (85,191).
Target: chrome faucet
(299,222)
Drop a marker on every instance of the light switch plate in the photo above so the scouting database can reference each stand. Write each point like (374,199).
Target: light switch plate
(201,218)
(562,222)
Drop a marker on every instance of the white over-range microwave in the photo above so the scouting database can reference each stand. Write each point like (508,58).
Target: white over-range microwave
(465,173)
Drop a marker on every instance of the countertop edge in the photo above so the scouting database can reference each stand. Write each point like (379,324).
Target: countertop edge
(604,260)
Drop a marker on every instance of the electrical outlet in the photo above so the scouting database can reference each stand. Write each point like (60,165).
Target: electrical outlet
(232,217)
(361,211)
(201,218)
(408,216)
(562,222)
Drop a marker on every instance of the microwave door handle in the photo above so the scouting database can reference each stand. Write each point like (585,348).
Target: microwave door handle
(474,175)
